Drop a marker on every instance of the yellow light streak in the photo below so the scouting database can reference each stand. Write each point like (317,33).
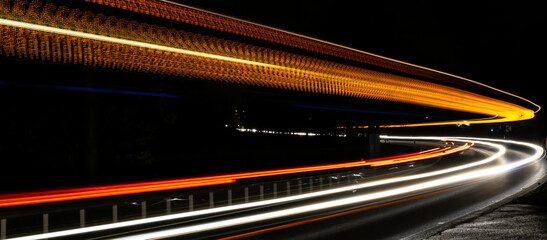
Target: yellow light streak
(195,16)
(88,39)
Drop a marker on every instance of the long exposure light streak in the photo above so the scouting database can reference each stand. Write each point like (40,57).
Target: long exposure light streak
(191,15)
(445,181)
(500,152)
(59,34)
(18,199)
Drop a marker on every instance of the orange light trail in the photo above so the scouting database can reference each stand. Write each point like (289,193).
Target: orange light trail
(190,15)
(294,224)
(461,174)
(437,153)
(19,199)
(58,34)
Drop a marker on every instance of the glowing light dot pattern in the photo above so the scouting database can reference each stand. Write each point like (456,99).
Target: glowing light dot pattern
(46,32)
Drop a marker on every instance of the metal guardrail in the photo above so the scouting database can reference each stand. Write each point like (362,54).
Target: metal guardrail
(75,214)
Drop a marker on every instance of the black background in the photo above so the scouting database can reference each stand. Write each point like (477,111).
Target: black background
(63,138)
(499,43)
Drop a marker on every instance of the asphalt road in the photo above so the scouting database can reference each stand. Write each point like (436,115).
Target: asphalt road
(405,215)
(409,216)
(395,201)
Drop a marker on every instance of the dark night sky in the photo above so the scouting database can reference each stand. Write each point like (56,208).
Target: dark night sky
(499,43)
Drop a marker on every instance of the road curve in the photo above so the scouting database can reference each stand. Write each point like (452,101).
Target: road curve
(395,210)
(389,207)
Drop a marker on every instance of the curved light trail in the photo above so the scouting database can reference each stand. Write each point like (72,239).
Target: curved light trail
(433,184)
(365,57)
(454,175)
(19,199)
(58,34)
(45,31)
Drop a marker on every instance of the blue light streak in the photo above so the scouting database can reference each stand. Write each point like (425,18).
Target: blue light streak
(88,89)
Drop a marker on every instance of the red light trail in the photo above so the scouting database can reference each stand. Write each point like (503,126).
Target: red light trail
(19,199)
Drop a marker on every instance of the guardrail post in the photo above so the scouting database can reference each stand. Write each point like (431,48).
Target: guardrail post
(299,186)
(114,213)
(229,196)
(190,202)
(143,209)
(311,184)
(320,183)
(3,229)
(246,194)
(211,200)
(82,218)
(330,181)
(45,218)
(288,188)
(275,190)
(168,206)
(261,192)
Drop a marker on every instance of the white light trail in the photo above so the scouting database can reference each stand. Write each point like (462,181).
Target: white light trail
(67,32)
(361,51)
(510,112)
(500,151)
(445,181)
